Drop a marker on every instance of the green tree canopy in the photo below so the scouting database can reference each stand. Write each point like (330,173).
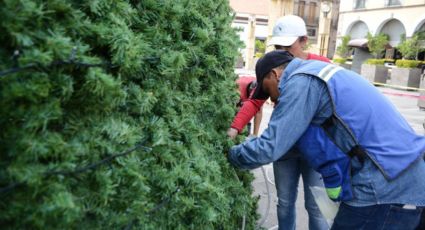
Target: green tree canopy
(411,47)
(343,50)
(376,44)
(260,48)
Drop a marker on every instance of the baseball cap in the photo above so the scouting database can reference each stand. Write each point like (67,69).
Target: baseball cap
(287,30)
(264,65)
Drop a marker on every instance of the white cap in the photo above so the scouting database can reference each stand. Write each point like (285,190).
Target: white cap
(287,30)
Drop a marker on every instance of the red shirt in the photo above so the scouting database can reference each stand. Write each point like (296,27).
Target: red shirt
(251,107)
(311,56)
(243,82)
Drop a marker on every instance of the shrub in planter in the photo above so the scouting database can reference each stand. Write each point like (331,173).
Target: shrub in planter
(406,74)
(389,60)
(407,63)
(341,62)
(375,61)
(375,71)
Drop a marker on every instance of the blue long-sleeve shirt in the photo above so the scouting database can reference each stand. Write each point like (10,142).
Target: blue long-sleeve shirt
(303,100)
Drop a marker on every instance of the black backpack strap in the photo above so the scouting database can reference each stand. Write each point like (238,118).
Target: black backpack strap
(346,142)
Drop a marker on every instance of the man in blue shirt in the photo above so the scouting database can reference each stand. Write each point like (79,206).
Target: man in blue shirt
(334,116)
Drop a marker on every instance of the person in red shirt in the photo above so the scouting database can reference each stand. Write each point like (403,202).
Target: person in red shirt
(251,106)
(247,85)
(289,34)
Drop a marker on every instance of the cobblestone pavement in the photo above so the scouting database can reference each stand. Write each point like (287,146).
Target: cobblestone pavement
(405,102)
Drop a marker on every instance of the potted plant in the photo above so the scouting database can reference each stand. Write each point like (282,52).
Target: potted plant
(374,69)
(407,73)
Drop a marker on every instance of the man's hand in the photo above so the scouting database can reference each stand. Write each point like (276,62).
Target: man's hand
(232,133)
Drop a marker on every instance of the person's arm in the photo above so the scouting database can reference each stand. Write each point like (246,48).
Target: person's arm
(257,121)
(299,102)
(248,110)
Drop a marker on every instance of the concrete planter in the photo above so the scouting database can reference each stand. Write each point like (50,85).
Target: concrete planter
(421,99)
(406,77)
(374,73)
(345,65)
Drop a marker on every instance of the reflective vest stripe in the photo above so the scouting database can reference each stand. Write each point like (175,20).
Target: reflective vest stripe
(327,72)
(330,74)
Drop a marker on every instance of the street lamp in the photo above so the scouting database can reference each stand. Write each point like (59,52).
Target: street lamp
(325,8)
(324,28)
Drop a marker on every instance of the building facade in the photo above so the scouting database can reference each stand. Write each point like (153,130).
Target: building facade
(396,18)
(251,20)
(310,12)
(253,17)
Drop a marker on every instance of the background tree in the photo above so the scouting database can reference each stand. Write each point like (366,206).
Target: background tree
(376,44)
(410,48)
(113,116)
(260,48)
(343,50)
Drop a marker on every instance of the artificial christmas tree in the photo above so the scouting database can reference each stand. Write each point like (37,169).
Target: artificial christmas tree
(113,116)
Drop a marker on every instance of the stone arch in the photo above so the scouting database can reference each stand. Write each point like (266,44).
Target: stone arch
(357,29)
(394,28)
(419,25)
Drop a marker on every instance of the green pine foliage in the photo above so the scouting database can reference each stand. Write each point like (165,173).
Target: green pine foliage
(84,85)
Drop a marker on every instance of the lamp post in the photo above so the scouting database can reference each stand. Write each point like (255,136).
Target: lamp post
(324,27)
(250,46)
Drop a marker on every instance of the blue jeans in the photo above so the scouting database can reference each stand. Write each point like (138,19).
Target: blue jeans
(287,173)
(384,216)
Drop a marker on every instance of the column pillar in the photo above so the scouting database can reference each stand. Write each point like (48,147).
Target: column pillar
(250,46)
